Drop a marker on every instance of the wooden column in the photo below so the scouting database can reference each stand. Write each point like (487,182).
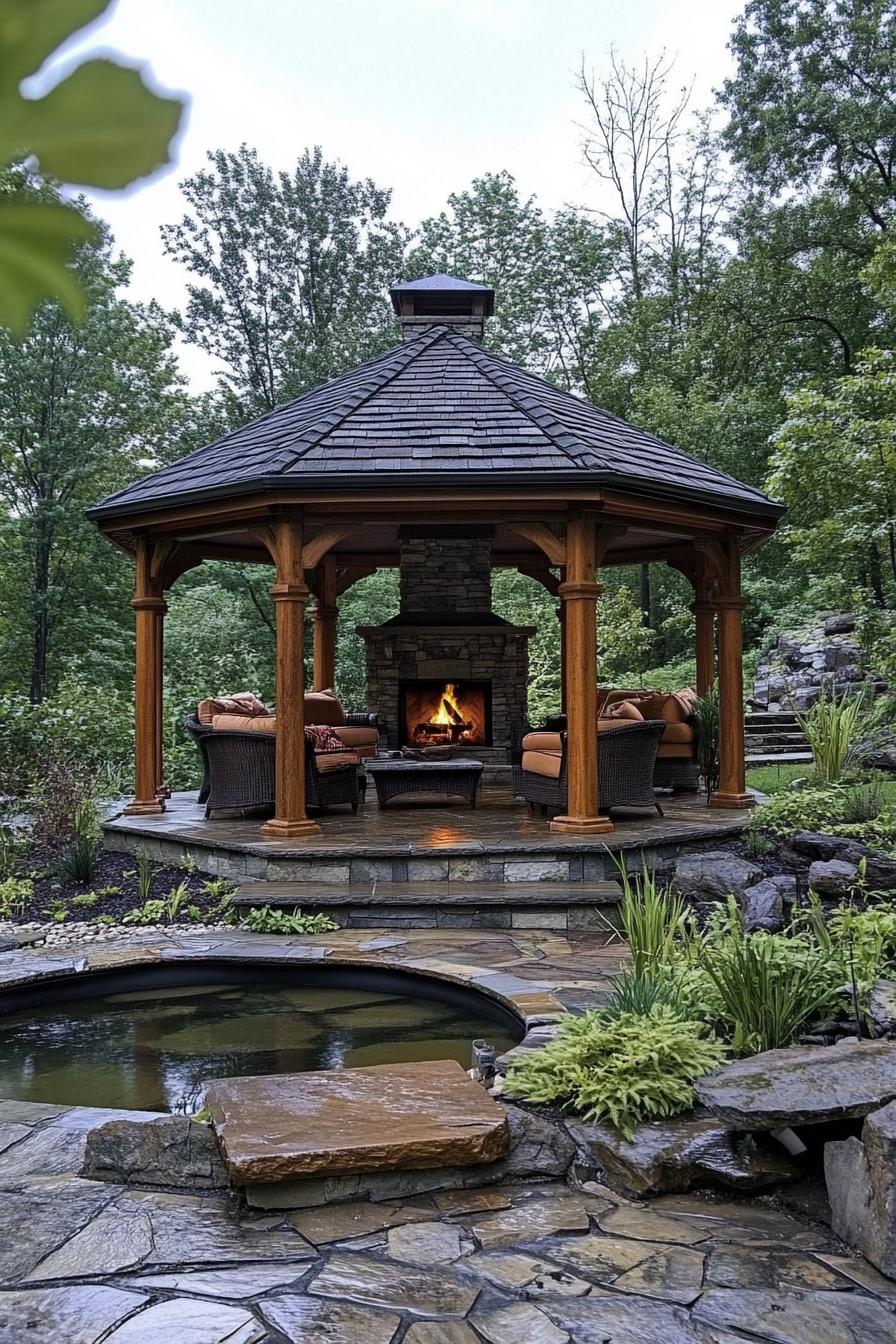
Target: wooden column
(579,593)
(149,613)
(705,644)
(323,615)
(561,618)
(290,594)
(732,790)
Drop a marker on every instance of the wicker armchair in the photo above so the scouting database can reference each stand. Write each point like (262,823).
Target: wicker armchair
(239,772)
(625,765)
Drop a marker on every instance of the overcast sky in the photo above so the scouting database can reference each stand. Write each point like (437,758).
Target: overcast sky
(420,95)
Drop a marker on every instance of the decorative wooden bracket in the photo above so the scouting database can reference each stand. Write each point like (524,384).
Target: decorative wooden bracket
(540,535)
(314,550)
(606,535)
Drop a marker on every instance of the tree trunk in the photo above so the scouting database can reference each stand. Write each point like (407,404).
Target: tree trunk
(41,622)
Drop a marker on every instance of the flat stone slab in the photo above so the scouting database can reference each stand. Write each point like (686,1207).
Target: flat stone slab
(802,1085)
(391,1116)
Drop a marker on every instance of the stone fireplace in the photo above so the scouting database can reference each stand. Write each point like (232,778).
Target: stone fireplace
(446,669)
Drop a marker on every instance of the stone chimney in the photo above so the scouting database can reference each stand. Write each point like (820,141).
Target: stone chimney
(442,300)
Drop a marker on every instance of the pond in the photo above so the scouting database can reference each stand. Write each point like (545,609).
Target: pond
(152,1048)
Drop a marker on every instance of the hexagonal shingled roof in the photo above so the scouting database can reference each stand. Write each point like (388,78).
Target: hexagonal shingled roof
(438,410)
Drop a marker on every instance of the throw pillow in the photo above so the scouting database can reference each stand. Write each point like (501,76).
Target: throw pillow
(324,738)
(622,709)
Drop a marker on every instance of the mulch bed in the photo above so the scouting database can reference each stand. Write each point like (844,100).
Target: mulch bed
(112,871)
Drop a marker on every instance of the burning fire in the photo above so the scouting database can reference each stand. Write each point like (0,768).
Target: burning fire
(443,715)
(448,712)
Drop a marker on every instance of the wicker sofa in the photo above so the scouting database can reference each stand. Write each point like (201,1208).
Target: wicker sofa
(626,759)
(676,759)
(239,770)
(359,733)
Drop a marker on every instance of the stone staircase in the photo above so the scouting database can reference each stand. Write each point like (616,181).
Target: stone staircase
(556,906)
(775,738)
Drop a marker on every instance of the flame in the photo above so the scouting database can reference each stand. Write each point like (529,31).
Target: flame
(441,716)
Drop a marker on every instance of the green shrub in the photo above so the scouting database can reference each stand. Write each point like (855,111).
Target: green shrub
(863,802)
(12,852)
(652,919)
(800,810)
(15,893)
(91,726)
(86,901)
(632,993)
(264,919)
(145,874)
(150,912)
(768,988)
(832,727)
(706,713)
(622,1070)
(79,859)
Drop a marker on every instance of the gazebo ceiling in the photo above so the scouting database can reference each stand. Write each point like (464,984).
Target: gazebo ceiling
(438,412)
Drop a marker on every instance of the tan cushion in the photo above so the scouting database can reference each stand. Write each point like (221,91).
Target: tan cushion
(359,739)
(543,742)
(327,761)
(244,703)
(674,750)
(677,733)
(548,763)
(323,707)
(239,723)
(623,709)
(607,725)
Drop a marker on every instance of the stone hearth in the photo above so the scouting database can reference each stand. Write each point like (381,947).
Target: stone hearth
(446,631)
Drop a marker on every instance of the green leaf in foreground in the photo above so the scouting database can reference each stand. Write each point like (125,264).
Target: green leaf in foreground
(36,243)
(31,30)
(101,126)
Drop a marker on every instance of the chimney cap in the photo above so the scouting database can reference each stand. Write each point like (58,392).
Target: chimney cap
(433,291)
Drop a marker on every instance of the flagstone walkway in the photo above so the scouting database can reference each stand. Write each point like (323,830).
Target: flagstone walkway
(87,1262)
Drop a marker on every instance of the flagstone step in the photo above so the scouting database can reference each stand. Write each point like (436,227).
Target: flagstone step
(778,758)
(507,905)
(389,1117)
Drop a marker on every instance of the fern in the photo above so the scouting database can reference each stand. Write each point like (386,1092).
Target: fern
(619,1070)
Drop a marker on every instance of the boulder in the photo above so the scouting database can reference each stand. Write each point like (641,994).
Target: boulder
(861,1181)
(763,904)
(880,872)
(884,758)
(882,1007)
(843,624)
(713,875)
(833,878)
(538,1147)
(802,1085)
(804,847)
(677,1155)
(171,1151)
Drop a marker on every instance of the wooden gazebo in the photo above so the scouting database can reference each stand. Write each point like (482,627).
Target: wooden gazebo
(439,430)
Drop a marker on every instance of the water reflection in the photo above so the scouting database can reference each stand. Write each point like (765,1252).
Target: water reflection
(152,1050)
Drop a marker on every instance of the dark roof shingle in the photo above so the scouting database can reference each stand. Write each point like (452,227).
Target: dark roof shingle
(438,408)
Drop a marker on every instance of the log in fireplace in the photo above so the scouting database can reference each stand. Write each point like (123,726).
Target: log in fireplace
(445,713)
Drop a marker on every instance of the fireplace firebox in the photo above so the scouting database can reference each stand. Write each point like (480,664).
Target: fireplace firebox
(439,712)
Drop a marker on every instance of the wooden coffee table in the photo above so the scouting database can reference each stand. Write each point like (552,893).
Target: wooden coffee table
(455,778)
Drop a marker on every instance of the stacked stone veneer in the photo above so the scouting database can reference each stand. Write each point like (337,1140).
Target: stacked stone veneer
(446,630)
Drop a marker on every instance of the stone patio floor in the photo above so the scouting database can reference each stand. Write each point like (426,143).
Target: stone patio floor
(85,1262)
(423,840)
